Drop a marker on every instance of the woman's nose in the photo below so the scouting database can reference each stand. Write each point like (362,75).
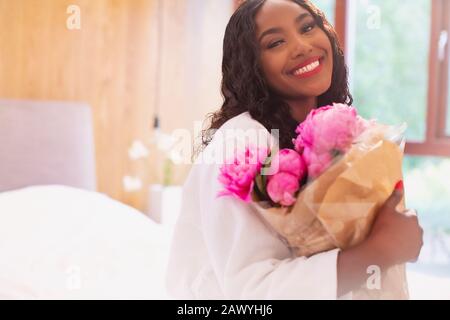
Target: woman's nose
(300,47)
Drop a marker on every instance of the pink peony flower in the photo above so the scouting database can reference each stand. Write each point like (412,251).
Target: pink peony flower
(238,176)
(306,130)
(327,131)
(330,128)
(289,161)
(316,163)
(282,188)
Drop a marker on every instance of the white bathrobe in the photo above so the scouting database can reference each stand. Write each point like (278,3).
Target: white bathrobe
(221,249)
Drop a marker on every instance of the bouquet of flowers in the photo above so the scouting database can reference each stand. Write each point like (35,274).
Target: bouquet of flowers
(324,193)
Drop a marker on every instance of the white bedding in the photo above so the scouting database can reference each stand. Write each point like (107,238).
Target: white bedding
(63,243)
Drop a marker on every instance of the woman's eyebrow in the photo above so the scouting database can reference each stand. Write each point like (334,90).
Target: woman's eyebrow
(279,30)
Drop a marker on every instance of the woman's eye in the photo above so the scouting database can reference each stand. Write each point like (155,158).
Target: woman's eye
(309,27)
(274,44)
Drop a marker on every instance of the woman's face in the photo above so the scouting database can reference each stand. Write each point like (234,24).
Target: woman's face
(296,55)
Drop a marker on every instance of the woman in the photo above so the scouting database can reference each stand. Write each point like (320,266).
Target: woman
(281,59)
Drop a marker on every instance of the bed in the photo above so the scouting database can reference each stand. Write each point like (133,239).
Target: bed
(59,237)
(59,242)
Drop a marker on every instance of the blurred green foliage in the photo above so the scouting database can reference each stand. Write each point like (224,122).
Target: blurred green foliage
(389,69)
(427,189)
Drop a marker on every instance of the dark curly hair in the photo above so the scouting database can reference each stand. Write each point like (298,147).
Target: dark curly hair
(245,89)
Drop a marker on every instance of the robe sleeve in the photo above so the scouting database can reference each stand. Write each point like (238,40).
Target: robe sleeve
(248,259)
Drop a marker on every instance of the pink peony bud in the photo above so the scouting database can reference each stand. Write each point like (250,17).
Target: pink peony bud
(288,161)
(282,188)
(306,129)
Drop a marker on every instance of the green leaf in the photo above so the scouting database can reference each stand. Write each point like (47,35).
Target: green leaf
(259,188)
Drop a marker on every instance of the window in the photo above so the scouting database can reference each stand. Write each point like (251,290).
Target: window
(445,38)
(389,69)
(398,57)
(447,132)
(438,137)
(409,33)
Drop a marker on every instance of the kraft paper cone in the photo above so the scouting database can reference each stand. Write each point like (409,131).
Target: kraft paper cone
(337,209)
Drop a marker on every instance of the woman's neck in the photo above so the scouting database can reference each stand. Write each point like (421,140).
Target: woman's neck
(300,108)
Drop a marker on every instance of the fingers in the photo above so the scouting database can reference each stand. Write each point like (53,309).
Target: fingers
(396,196)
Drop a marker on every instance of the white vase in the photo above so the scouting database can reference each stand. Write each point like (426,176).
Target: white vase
(155,202)
(164,203)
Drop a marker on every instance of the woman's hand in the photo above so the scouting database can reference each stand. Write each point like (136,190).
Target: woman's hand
(396,235)
(396,238)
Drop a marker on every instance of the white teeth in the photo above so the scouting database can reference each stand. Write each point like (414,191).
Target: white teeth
(308,68)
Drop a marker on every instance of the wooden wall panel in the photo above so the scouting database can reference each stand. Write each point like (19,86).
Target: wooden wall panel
(108,63)
(112,64)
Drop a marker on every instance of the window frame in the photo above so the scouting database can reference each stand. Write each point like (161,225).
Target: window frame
(444,70)
(437,142)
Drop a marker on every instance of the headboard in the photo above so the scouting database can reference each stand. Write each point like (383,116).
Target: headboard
(43,143)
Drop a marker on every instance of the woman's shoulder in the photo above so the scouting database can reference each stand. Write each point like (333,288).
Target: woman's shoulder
(242,121)
(242,130)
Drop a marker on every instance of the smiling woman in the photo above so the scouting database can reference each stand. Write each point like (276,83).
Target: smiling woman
(281,59)
(258,77)
(296,55)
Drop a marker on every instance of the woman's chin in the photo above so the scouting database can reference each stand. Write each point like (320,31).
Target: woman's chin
(316,90)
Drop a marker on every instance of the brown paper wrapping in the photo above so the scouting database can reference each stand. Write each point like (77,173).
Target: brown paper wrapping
(337,209)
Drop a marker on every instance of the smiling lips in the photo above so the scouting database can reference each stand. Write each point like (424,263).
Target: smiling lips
(308,68)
